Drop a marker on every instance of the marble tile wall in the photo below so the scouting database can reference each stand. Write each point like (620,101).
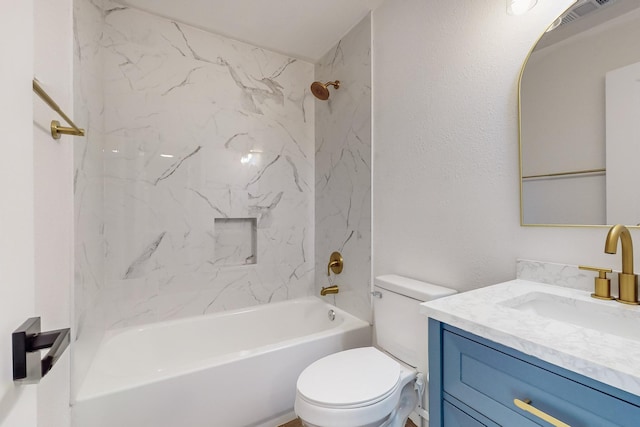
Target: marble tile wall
(87,330)
(199,127)
(343,170)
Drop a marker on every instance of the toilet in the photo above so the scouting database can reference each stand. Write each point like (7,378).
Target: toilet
(374,386)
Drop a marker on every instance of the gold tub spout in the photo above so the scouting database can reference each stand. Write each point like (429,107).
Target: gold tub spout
(628,281)
(329,290)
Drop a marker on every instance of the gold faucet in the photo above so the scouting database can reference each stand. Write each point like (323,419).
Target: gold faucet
(628,281)
(335,264)
(329,290)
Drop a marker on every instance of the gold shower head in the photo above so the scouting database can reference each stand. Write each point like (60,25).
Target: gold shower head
(321,91)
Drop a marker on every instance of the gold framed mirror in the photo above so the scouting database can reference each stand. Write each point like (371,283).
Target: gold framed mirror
(579,119)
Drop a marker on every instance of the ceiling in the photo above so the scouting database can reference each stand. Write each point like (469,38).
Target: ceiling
(304,29)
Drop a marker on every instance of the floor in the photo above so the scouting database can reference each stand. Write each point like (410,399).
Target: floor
(297,423)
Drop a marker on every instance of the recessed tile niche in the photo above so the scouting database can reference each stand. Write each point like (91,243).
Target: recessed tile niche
(235,241)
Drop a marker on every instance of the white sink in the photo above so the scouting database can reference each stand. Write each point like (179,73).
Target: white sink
(605,316)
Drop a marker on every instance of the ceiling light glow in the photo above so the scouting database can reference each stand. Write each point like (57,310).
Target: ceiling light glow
(520,7)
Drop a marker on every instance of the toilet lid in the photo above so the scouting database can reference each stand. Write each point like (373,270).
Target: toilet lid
(357,377)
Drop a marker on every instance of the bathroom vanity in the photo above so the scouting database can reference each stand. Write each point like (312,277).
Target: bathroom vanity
(523,353)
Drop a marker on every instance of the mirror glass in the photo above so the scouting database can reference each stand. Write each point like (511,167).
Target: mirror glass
(580,118)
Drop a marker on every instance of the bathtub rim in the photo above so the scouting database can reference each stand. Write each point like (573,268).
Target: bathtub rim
(350,323)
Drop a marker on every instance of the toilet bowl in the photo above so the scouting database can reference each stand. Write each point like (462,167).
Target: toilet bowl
(362,387)
(369,386)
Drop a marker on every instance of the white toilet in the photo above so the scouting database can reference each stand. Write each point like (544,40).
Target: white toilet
(374,386)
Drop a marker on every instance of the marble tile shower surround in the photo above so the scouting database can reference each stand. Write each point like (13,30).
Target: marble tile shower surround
(88,18)
(199,127)
(343,170)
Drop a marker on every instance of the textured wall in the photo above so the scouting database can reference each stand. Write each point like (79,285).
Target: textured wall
(199,127)
(343,169)
(88,19)
(445,188)
(446,176)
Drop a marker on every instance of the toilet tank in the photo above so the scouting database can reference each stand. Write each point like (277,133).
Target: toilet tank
(399,328)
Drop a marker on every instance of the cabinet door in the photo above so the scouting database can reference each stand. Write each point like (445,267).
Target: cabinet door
(488,381)
(452,416)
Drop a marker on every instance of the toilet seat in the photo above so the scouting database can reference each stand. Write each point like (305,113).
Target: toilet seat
(358,387)
(371,376)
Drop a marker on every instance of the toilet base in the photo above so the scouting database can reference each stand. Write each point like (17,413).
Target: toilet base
(408,401)
(385,423)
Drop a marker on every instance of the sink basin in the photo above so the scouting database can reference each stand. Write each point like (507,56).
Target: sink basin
(605,316)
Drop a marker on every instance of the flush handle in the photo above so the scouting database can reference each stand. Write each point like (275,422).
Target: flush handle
(376,294)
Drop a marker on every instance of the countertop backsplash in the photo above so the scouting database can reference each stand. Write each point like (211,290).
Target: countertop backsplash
(568,276)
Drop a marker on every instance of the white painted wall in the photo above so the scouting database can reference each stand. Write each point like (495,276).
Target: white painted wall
(53,198)
(35,221)
(445,186)
(17,403)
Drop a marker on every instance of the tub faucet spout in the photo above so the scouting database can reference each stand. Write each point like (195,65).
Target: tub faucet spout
(628,281)
(329,290)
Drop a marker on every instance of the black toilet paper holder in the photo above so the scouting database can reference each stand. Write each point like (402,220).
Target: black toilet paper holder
(27,340)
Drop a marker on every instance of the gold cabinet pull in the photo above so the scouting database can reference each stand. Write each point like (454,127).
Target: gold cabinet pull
(525,405)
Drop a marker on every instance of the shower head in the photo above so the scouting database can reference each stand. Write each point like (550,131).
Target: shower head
(321,91)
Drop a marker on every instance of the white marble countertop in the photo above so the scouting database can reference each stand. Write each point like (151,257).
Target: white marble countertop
(605,357)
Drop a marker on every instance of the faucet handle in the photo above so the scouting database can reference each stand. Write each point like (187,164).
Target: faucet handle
(602,271)
(602,282)
(336,263)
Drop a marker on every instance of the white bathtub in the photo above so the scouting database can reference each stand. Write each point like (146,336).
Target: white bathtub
(232,369)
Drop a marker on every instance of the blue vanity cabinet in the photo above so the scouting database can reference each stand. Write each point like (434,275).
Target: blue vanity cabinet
(474,382)
(452,416)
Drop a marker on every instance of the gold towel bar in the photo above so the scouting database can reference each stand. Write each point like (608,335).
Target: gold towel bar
(548,175)
(56,129)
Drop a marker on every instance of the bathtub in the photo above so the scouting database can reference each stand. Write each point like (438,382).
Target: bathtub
(231,369)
